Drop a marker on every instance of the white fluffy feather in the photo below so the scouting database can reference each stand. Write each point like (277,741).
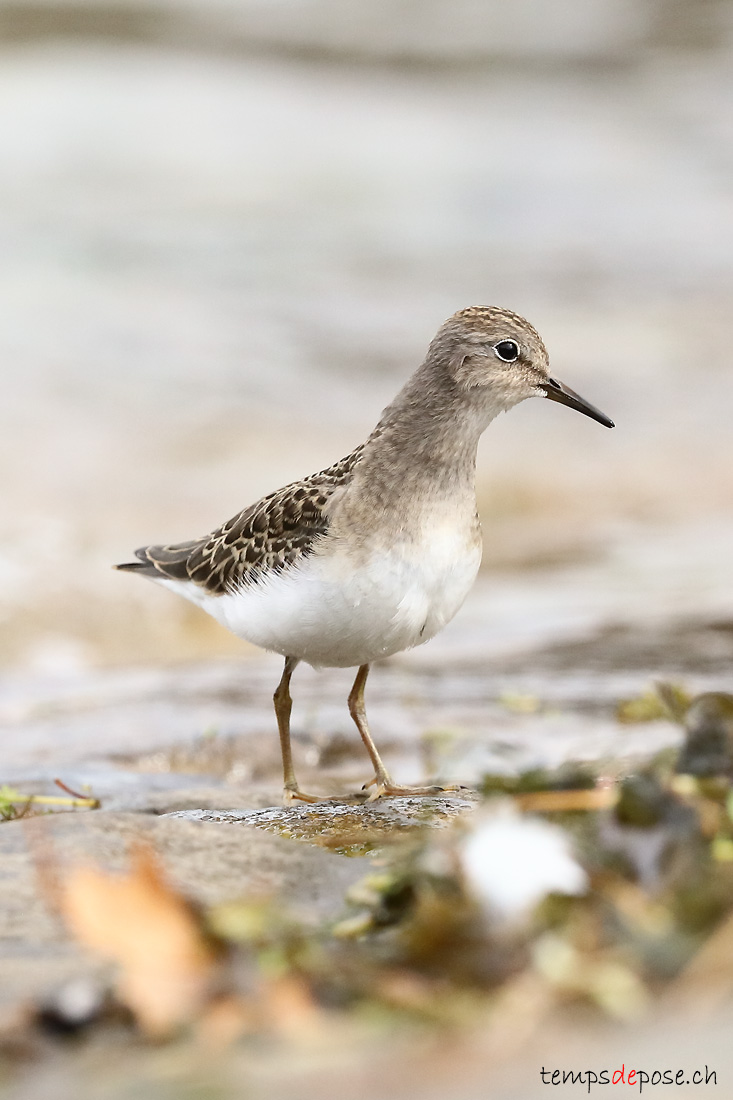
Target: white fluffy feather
(331,610)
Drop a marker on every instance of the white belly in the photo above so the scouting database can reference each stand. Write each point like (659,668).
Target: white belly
(331,611)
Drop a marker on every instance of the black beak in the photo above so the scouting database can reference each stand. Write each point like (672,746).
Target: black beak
(557,392)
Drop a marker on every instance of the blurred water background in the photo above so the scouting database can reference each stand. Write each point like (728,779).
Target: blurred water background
(229,229)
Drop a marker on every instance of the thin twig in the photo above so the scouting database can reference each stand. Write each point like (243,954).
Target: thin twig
(75,794)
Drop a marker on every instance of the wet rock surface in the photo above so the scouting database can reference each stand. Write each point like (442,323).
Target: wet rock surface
(207,863)
(339,827)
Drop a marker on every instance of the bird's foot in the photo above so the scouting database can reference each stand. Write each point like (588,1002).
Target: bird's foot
(291,795)
(384,787)
(294,794)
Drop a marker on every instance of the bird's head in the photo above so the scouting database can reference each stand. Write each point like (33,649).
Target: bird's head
(493,350)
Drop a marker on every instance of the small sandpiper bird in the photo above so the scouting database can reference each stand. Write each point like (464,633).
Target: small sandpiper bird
(378,552)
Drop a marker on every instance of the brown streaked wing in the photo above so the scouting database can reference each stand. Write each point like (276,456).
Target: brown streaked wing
(266,537)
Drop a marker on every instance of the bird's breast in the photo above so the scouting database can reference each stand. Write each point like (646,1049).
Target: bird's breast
(440,569)
(416,579)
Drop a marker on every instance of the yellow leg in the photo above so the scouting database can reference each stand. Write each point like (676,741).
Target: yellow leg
(384,786)
(357,710)
(283,707)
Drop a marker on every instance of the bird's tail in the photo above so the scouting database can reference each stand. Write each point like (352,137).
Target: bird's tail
(162,561)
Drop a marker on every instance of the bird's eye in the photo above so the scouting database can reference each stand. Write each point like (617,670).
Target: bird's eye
(507,351)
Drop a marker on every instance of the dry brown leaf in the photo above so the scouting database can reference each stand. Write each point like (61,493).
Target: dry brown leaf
(166,965)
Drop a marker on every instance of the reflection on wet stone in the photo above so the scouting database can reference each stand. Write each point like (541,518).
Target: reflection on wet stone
(342,827)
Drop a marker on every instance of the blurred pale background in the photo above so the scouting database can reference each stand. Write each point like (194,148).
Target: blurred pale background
(229,229)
